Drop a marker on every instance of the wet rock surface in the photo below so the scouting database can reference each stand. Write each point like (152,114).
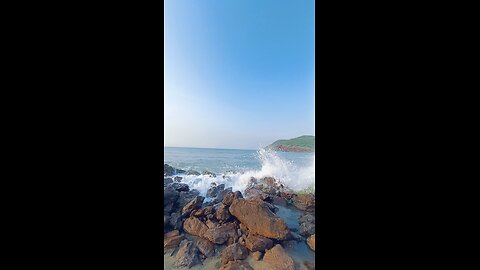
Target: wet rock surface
(206,247)
(195,226)
(220,234)
(307,224)
(305,202)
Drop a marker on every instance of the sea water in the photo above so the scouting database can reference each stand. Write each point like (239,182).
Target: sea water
(234,167)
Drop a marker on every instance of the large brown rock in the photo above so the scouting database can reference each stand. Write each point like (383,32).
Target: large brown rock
(258,218)
(222,233)
(278,259)
(172,241)
(222,213)
(228,198)
(192,205)
(305,202)
(234,252)
(311,242)
(187,255)
(206,247)
(195,226)
(257,243)
(236,265)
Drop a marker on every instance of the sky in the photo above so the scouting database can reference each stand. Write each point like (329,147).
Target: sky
(238,74)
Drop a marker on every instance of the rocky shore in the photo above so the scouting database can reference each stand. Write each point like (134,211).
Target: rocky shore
(232,226)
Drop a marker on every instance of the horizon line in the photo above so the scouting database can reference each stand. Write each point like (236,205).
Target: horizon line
(209,148)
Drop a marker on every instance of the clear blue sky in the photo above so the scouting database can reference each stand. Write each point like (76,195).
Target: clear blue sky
(238,73)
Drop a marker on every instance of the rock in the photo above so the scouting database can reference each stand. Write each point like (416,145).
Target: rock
(237,195)
(258,218)
(295,236)
(180,186)
(175,221)
(192,172)
(307,224)
(203,212)
(236,265)
(279,201)
(192,205)
(256,193)
(228,198)
(278,259)
(177,178)
(206,247)
(257,243)
(257,255)
(309,265)
(187,255)
(172,239)
(221,193)
(165,220)
(195,226)
(168,170)
(222,213)
(305,202)
(234,252)
(220,234)
(311,242)
(209,174)
(167,181)
(211,224)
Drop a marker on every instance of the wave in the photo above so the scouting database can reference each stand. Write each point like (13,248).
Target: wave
(292,175)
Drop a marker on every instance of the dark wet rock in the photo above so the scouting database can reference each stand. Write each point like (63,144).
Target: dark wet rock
(194,192)
(206,247)
(192,172)
(311,242)
(221,193)
(195,203)
(180,186)
(236,265)
(258,218)
(222,213)
(220,234)
(167,181)
(228,198)
(257,243)
(278,259)
(238,195)
(279,201)
(209,174)
(234,252)
(175,221)
(187,255)
(295,236)
(177,178)
(309,265)
(165,220)
(253,192)
(307,224)
(213,191)
(257,255)
(172,239)
(305,202)
(169,170)
(170,197)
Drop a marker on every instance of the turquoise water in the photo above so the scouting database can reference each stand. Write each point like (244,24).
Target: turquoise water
(235,167)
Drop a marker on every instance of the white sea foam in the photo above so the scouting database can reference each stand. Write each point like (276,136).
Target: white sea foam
(286,172)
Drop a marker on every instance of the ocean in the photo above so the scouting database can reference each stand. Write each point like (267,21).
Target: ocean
(234,167)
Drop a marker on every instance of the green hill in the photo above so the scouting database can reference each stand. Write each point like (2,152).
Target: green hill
(304,143)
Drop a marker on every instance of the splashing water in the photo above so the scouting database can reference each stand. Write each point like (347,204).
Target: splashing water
(297,176)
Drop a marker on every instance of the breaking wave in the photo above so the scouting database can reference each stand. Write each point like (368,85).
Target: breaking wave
(293,175)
